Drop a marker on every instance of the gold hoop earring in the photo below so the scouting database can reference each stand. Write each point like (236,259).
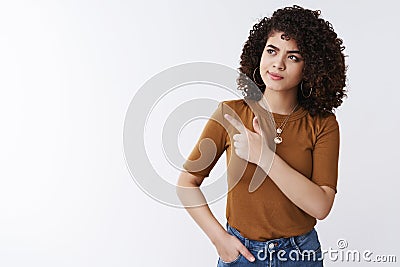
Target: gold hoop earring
(254,78)
(302,92)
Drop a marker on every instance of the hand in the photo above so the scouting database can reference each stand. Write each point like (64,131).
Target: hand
(229,248)
(249,145)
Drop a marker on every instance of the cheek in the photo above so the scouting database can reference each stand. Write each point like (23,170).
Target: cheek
(297,72)
(264,62)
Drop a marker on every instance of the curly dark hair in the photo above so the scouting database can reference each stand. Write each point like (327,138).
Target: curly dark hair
(324,68)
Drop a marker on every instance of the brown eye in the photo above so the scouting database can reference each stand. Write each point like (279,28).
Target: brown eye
(294,58)
(270,51)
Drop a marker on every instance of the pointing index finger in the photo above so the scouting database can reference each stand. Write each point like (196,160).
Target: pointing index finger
(235,123)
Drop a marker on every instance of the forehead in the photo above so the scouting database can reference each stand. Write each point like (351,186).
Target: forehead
(281,42)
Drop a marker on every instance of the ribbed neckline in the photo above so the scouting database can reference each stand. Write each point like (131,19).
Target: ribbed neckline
(297,114)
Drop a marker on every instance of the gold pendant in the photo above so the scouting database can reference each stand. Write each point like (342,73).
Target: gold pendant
(278,140)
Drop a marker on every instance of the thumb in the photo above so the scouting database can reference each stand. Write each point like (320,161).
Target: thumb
(256,126)
(246,253)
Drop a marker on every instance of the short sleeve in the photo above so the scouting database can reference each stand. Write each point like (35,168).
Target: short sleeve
(209,147)
(326,153)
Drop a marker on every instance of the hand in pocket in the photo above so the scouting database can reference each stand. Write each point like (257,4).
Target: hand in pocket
(230,248)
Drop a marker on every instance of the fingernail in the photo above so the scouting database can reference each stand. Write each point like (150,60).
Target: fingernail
(252,259)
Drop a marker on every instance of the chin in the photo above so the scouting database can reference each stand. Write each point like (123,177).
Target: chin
(274,88)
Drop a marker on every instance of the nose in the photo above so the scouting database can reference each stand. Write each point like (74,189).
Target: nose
(279,63)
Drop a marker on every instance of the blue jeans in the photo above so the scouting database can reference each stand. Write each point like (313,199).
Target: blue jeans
(302,251)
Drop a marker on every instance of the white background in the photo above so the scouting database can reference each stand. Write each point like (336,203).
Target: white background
(68,71)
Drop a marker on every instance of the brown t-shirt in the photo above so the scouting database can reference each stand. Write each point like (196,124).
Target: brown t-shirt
(310,146)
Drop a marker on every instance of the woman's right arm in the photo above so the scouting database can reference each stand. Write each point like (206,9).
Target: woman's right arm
(188,191)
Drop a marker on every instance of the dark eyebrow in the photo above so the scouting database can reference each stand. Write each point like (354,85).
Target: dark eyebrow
(289,52)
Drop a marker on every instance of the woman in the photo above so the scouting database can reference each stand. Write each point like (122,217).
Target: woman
(280,181)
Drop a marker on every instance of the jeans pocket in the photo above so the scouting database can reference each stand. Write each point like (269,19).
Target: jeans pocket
(231,262)
(308,246)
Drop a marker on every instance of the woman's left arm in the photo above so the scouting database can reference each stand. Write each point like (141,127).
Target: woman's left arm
(314,199)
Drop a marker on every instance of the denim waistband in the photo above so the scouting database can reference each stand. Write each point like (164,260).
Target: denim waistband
(273,244)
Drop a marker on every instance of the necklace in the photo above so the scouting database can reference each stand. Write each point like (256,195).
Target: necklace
(278,138)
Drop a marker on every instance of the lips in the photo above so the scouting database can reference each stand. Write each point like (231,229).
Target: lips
(274,76)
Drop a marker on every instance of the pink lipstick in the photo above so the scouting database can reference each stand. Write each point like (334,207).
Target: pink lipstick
(274,76)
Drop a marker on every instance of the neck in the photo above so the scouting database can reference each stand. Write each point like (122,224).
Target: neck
(280,102)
